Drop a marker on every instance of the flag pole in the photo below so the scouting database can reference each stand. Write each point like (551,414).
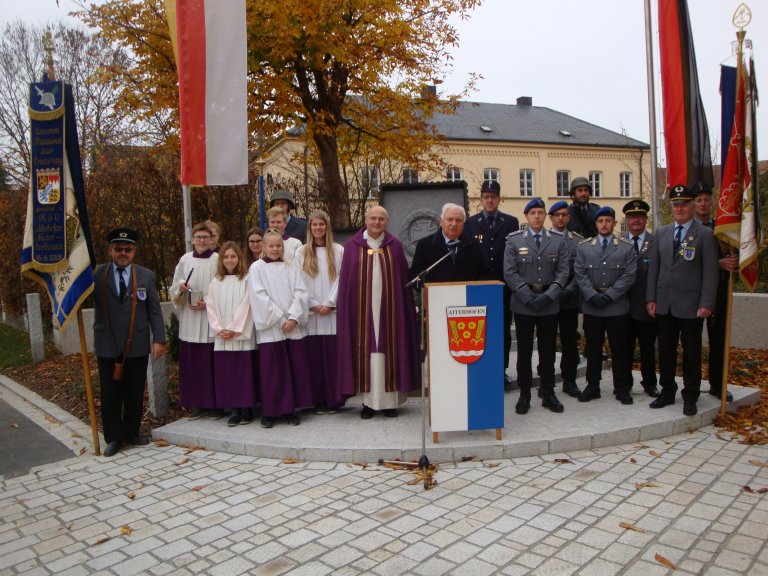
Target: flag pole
(651,113)
(48,45)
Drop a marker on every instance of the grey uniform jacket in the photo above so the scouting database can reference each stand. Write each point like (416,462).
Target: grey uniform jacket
(528,268)
(149,316)
(637,300)
(682,283)
(571,240)
(612,273)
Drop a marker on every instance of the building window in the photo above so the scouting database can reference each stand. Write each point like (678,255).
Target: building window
(453,174)
(410,176)
(490,175)
(371,181)
(596,180)
(563,180)
(625,184)
(526,183)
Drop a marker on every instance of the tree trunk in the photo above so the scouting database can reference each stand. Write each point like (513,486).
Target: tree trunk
(334,193)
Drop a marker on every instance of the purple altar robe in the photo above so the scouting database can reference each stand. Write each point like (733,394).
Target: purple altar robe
(398,328)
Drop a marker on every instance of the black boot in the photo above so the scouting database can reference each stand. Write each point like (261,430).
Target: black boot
(571,389)
(549,400)
(591,392)
(524,402)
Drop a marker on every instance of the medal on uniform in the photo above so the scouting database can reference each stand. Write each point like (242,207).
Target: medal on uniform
(523,250)
(689,253)
(141,293)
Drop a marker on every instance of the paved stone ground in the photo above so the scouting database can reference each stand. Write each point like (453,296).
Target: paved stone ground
(165,511)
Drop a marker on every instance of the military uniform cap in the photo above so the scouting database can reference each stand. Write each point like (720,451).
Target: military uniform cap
(636,206)
(535,203)
(491,186)
(605,211)
(122,236)
(701,188)
(559,205)
(680,193)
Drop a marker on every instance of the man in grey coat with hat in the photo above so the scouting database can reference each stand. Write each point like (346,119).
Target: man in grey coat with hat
(605,271)
(582,211)
(127,326)
(536,269)
(296,227)
(682,289)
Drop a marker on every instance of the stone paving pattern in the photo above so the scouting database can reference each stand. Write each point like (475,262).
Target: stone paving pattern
(214,513)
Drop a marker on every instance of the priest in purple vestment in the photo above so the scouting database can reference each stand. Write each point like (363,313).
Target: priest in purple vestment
(377,331)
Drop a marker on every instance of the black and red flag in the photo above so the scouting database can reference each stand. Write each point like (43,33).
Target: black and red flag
(686,136)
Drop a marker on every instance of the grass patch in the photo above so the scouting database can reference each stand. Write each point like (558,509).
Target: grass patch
(14,347)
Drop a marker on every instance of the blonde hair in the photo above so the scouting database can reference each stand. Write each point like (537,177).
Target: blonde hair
(240,270)
(273,232)
(276,211)
(310,253)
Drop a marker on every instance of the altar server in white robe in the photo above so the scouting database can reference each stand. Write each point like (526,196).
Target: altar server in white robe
(191,279)
(231,324)
(279,307)
(320,261)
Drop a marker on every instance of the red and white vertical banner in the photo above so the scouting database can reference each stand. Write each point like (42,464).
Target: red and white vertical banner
(211,56)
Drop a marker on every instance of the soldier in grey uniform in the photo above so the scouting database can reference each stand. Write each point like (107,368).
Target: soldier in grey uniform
(682,290)
(568,316)
(535,269)
(121,290)
(642,328)
(605,271)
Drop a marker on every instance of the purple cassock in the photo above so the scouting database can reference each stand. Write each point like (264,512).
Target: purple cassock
(398,329)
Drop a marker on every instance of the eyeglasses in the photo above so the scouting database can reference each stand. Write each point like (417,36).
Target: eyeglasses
(201,237)
(259,241)
(125,249)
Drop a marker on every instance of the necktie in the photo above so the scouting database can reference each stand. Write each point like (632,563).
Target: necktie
(490,223)
(636,241)
(678,237)
(605,245)
(123,288)
(537,237)
(453,246)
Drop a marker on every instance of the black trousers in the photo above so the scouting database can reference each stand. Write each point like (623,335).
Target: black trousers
(716,336)
(122,401)
(507,325)
(545,329)
(568,327)
(688,332)
(643,332)
(595,330)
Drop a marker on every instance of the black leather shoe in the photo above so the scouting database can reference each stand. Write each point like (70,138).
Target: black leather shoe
(652,391)
(137,440)
(591,392)
(509,384)
(716,394)
(662,400)
(366,413)
(234,420)
(267,422)
(113,448)
(523,404)
(689,408)
(246,416)
(390,412)
(625,398)
(549,400)
(571,389)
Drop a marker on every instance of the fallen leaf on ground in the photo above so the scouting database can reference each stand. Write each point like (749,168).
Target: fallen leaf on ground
(759,463)
(191,449)
(183,461)
(628,526)
(469,458)
(654,453)
(665,561)
(127,530)
(76,435)
(289,460)
(14,425)
(51,419)
(160,443)
(562,461)
(491,464)
(361,464)
(762,490)
(198,488)
(131,495)
(748,489)
(82,451)
(633,461)
(101,541)
(641,485)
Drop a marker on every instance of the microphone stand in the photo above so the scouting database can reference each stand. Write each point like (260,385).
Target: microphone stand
(417,284)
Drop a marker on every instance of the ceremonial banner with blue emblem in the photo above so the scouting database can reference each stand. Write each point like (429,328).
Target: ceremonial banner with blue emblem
(57,250)
(466,355)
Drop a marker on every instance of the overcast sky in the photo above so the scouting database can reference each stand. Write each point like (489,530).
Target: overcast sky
(585,58)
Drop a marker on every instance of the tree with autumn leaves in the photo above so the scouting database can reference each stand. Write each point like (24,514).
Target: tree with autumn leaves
(347,71)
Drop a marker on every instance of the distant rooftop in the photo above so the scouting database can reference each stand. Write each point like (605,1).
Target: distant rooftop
(523,122)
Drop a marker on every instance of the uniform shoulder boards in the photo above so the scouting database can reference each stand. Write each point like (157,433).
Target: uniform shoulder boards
(557,232)
(585,240)
(515,233)
(626,241)
(572,234)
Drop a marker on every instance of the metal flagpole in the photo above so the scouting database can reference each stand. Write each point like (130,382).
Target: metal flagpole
(651,112)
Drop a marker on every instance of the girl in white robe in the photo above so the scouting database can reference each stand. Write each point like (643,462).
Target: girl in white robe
(319,261)
(279,307)
(231,324)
